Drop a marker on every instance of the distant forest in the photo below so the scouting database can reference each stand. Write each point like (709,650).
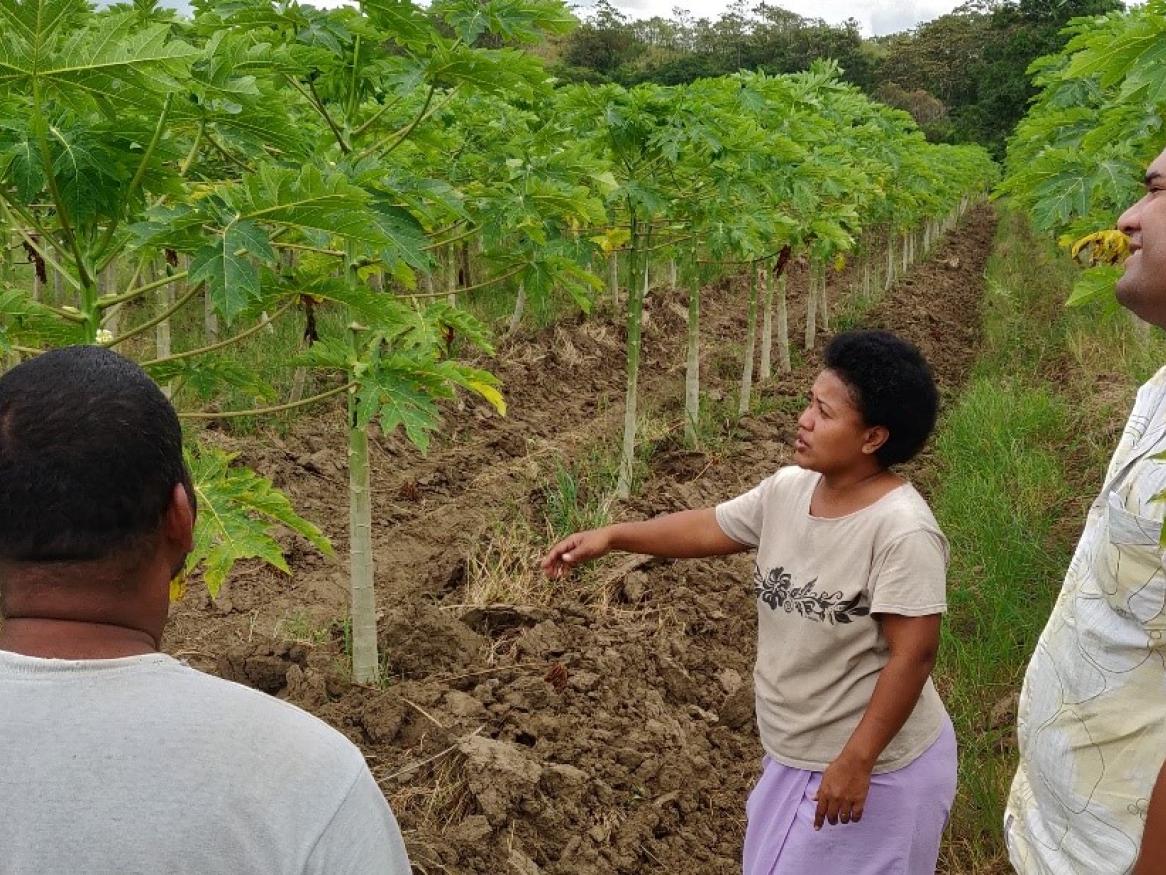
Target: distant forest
(962,76)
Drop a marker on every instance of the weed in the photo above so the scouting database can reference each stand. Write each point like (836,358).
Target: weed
(504,566)
(578,500)
(301,629)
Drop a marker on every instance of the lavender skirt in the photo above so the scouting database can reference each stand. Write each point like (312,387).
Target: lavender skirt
(899,834)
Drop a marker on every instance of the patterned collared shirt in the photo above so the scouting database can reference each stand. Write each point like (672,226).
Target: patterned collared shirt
(1092,714)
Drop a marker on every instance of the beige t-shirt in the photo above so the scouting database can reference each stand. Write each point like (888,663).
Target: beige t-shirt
(818,582)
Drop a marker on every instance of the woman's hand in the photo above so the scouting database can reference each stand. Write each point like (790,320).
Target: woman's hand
(842,793)
(576,548)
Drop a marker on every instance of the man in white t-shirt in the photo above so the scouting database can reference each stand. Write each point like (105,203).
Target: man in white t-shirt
(115,758)
(1089,795)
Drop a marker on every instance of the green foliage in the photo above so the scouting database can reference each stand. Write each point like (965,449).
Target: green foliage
(25,321)
(1095,284)
(283,152)
(238,512)
(275,158)
(579,498)
(1078,157)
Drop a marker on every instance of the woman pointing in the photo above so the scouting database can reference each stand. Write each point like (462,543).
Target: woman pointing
(860,766)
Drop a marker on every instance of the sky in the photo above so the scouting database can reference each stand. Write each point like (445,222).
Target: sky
(877,17)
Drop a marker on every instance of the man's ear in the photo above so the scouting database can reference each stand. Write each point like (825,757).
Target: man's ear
(875,438)
(179,523)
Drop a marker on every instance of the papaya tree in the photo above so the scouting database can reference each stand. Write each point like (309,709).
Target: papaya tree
(102,112)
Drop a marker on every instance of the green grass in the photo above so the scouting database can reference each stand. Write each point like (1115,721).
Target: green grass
(854,305)
(581,497)
(302,629)
(1018,457)
(1002,489)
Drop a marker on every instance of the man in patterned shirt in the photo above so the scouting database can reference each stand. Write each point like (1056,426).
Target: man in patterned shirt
(1090,793)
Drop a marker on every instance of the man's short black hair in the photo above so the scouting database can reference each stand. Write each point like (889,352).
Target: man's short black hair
(90,452)
(892,386)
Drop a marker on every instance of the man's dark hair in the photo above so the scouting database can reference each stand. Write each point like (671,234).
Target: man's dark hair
(90,452)
(892,386)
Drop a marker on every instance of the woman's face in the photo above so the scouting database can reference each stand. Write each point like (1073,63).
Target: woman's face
(831,433)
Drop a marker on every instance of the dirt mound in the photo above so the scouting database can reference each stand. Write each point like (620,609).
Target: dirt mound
(575,738)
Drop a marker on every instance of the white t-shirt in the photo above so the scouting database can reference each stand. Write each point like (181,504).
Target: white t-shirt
(818,582)
(144,765)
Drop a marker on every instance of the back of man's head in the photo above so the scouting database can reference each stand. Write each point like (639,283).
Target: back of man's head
(90,453)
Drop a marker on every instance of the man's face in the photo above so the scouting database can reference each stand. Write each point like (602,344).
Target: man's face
(1142,289)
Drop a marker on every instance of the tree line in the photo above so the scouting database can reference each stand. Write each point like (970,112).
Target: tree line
(963,76)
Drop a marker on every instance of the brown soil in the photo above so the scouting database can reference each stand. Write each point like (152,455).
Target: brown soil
(574,738)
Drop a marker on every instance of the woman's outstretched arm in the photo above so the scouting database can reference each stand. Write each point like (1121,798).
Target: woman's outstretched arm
(689,534)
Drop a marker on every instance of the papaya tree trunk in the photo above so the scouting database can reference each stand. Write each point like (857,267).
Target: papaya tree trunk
(299,382)
(519,307)
(310,336)
(210,319)
(162,340)
(365,661)
(823,299)
(451,275)
(37,285)
(783,359)
(637,282)
(812,305)
(746,392)
(766,324)
(466,279)
(892,263)
(613,277)
(692,365)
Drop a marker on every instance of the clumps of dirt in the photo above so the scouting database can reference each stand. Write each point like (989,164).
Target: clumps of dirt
(421,640)
(592,744)
(298,672)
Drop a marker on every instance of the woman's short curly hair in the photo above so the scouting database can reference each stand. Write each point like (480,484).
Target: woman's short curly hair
(892,386)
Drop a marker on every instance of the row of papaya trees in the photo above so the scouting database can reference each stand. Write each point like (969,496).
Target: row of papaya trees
(264,161)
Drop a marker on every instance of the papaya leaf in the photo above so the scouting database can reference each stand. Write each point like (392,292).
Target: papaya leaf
(374,310)
(238,513)
(404,238)
(401,21)
(207,375)
(446,316)
(476,380)
(328,354)
(401,391)
(227,266)
(1095,285)
(28,323)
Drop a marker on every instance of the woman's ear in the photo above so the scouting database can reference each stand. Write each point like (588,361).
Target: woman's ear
(875,438)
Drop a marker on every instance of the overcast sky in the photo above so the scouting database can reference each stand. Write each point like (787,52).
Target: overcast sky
(877,17)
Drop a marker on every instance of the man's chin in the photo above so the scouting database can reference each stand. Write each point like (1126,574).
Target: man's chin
(1126,292)
(1146,309)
